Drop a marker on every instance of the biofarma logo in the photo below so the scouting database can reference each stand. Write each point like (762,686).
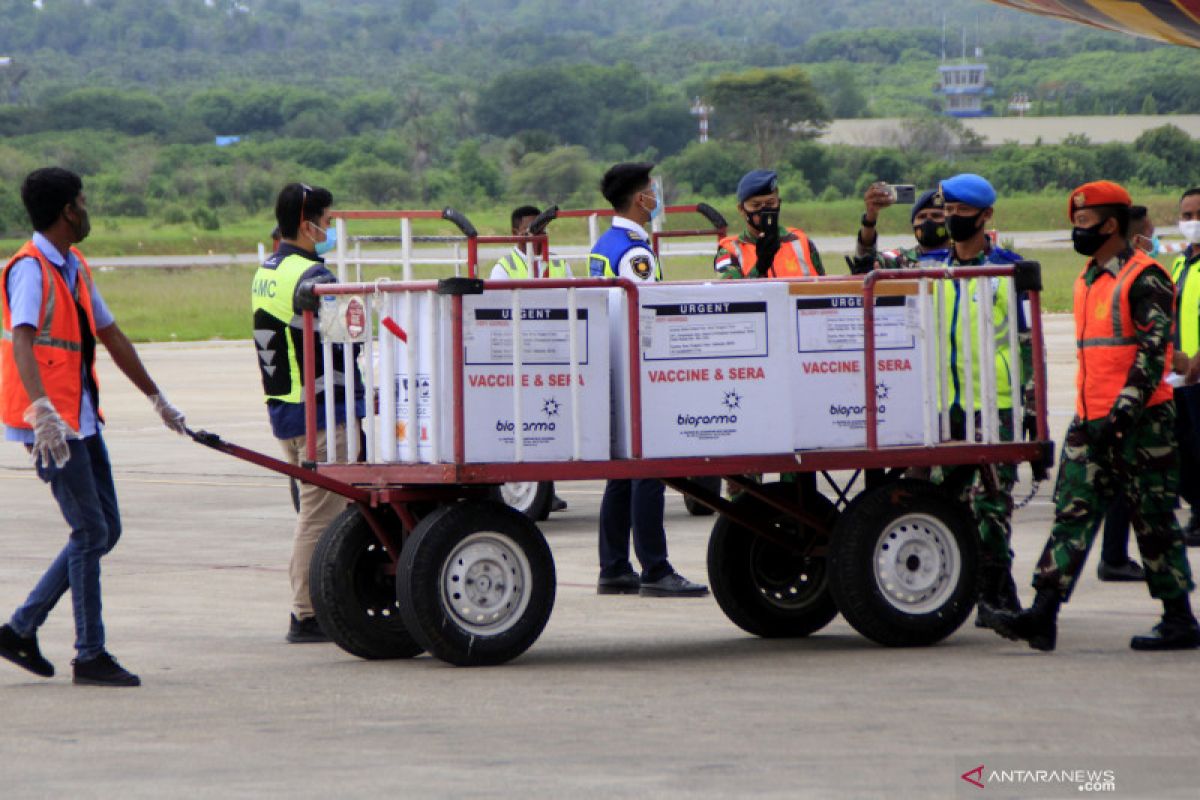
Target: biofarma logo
(1084,780)
(730,400)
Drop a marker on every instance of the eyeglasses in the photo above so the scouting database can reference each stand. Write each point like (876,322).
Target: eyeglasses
(304,192)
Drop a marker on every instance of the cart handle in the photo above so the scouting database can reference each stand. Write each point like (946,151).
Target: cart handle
(460,220)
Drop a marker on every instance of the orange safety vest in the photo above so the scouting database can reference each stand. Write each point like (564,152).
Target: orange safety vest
(1105,335)
(792,260)
(57,344)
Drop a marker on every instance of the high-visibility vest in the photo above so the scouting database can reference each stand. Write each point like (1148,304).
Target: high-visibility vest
(1187,304)
(609,250)
(792,261)
(278,330)
(65,339)
(1107,341)
(515,265)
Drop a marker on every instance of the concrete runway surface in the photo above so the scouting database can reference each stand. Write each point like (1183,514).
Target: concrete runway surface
(621,696)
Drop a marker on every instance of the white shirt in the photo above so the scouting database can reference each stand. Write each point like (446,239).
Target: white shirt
(638,264)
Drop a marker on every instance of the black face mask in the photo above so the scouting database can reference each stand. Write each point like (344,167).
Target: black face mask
(1088,240)
(83,225)
(931,234)
(962,228)
(765,220)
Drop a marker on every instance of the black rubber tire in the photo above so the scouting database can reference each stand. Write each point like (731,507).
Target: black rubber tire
(753,579)
(710,482)
(353,597)
(538,503)
(941,528)
(433,555)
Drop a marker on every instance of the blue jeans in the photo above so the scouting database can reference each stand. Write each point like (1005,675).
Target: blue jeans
(636,504)
(88,500)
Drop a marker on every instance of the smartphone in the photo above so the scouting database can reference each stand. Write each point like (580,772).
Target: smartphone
(901,192)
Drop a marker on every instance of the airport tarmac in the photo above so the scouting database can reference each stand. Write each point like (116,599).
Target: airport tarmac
(621,697)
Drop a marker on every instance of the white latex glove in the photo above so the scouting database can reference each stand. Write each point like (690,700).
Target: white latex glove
(50,433)
(172,417)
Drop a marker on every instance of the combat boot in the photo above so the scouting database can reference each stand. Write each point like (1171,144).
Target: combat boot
(997,593)
(1038,625)
(1177,631)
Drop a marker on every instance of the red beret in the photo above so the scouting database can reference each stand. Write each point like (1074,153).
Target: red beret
(1097,193)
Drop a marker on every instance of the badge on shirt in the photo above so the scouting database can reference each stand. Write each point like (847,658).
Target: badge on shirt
(641,266)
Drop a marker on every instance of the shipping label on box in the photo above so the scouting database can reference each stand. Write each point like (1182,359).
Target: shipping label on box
(547,415)
(714,381)
(489,381)
(829,369)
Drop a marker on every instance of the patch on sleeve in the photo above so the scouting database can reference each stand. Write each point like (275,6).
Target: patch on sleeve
(641,266)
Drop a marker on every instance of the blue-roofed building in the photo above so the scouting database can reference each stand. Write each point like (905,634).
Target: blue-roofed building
(963,88)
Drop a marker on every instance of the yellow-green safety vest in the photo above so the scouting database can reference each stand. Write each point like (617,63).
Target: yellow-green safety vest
(1187,294)
(515,265)
(277,328)
(953,353)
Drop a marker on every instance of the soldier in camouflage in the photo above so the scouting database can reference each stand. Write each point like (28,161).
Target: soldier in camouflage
(1123,433)
(928,219)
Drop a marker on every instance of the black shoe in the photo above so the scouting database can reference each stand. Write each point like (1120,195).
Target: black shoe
(629,583)
(998,594)
(558,504)
(25,653)
(103,670)
(1038,625)
(305,631)
(1129,572)
(672,585)
(1191,537)
(1177,631)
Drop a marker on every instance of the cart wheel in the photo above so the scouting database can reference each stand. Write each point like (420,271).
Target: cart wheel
(763,588)
(710,482)
(353,595)
(531,498)
(903,564)
(476,583)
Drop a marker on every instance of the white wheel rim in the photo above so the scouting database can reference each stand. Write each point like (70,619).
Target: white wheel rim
(519,495)
(917,563)
(485,583)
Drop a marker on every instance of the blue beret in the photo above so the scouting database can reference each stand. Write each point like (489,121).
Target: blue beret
(930,199)
(970,189)
(756,182)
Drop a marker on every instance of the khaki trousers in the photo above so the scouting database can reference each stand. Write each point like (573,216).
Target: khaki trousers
(318,508)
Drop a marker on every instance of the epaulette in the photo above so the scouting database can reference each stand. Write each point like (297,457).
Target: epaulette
(633,236)
(999,255)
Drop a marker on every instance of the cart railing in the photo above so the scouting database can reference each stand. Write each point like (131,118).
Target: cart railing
(942,295)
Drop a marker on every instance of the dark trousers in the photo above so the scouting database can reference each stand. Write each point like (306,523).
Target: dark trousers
(87,498)
(1115,547)
(635,505)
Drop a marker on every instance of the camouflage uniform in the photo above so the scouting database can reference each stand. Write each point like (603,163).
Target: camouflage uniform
(1144,464)
(867,259)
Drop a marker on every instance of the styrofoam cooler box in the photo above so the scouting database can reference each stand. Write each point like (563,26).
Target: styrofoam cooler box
(488,379)
(714,364)
(828,368)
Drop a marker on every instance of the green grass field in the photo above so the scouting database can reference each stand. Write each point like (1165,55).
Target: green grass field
(214,303)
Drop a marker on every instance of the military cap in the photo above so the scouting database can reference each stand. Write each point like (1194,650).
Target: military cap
(756,182)
(1097,193)
(930,199)
(973,190)
(622,180)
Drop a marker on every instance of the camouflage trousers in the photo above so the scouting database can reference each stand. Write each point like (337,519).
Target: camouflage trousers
(992,510)
(1146,467)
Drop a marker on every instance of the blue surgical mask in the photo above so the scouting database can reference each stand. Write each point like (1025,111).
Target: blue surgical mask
(1156,245)
(330,241)
(658,204)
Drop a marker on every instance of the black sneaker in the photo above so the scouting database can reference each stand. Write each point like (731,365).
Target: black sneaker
(305,631)
(558,504)
(673,585)
(629,583)
(25,653)
(103,670)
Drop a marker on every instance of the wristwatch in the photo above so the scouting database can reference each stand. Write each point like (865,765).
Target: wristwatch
(867,223)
